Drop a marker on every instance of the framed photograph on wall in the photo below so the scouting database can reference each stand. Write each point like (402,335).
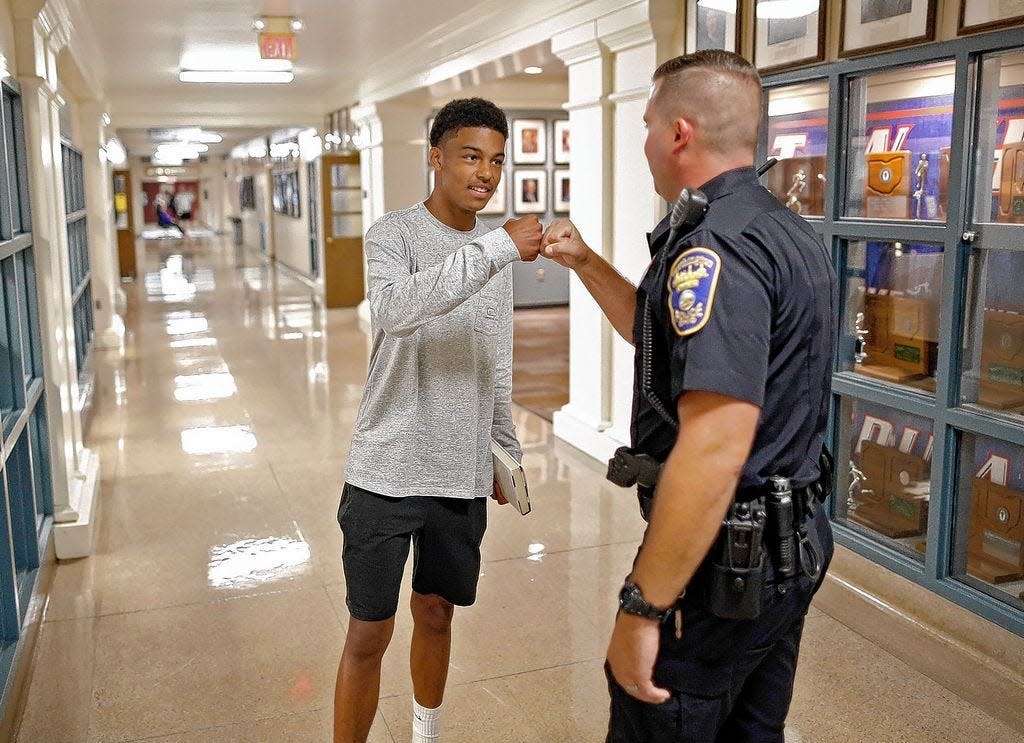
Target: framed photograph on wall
(561,191)
(529,144)
(561,135)
(877,25)
(530,191)
(712,24)
(984,15)
(787,42)
(499,199)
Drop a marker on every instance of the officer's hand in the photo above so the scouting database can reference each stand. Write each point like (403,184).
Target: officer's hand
(631,655)
(563,244)
(525,233)
(496,494)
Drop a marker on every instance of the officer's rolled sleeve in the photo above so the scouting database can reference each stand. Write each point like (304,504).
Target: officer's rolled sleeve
(729,355)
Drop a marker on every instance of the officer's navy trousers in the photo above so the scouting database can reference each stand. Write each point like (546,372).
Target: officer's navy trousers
(731,680)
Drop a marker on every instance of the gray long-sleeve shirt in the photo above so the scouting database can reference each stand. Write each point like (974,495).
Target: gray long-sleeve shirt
(439,384)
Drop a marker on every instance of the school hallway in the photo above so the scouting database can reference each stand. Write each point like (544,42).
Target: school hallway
(213,608)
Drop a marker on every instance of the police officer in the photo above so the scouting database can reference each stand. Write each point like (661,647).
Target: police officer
(733,326)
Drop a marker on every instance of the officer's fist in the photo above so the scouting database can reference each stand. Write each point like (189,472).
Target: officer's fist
(562,243)
(525,233)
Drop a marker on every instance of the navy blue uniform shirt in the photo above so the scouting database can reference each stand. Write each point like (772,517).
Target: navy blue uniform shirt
(743,305)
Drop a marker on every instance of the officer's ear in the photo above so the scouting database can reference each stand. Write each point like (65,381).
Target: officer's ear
(682,131)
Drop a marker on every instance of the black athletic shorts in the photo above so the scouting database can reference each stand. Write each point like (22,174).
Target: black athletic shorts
(445,535)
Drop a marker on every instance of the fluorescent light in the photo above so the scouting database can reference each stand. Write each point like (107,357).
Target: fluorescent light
(782,9)
(235,76)
(229,57)
(115,152)
(533,70)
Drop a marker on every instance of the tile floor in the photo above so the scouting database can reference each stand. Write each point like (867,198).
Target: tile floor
(213,609)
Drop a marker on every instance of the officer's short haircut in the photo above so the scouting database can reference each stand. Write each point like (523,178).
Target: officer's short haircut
(467,112)
(719,91)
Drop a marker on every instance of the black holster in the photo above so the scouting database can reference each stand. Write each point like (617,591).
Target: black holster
(738,565)
(627,469)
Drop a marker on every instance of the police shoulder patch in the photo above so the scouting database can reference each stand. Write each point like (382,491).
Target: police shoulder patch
(692,281)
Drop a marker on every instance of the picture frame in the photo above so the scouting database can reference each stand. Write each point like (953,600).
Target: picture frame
(529,142)
(285,196)
(712,27)
(986,15)
(527,198)
(869,26)
(499,199)
(560,192)
(561,141)
(780,43)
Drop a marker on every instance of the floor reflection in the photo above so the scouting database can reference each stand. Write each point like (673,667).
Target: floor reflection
(250,562)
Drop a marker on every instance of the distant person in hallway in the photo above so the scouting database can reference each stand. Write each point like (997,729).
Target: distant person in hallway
(438,389)
(733,325)
(183,203)
(164,218)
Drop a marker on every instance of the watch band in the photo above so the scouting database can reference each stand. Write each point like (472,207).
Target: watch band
(632,601)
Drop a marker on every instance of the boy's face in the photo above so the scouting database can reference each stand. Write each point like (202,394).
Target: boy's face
(468,167)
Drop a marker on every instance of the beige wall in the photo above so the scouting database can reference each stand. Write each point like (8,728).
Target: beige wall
(7,40)
(211,195)
(291,234)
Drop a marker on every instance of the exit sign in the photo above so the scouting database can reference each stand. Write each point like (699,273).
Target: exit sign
(277,46)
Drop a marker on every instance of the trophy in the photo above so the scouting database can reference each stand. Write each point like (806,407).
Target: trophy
(921,173)
(798,187)
(1011,184)
(897,505)
(1002,360)
(996,512)
(887,193)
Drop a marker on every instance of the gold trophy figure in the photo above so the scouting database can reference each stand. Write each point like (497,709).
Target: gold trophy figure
(921,173)
(798,187)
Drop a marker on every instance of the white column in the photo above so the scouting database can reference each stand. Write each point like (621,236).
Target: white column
(637,208)
(587,415)
(392,160)
(75,469)
(610,62)
(109,326)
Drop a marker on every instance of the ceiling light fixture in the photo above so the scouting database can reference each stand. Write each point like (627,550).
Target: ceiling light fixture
(725,6)
(235,76)
(277,23)
(533,70)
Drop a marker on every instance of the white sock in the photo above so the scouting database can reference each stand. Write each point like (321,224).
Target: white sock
(426,723)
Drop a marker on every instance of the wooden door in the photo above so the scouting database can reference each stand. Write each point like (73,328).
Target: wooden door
(124,223)
(343,230)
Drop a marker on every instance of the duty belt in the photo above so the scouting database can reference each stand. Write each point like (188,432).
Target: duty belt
(787,508)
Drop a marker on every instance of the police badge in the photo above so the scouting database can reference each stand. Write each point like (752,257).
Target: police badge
(692,281)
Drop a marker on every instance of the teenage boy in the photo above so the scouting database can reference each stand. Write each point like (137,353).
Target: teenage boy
(439,388)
